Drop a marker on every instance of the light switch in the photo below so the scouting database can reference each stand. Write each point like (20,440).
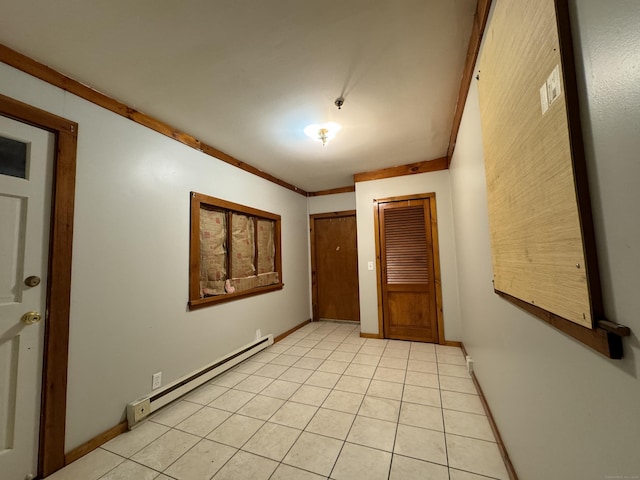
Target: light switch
(551,89)
(544,99)
(370,266)
(554,87)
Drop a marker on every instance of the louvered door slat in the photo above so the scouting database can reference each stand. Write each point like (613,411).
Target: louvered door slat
(406,246)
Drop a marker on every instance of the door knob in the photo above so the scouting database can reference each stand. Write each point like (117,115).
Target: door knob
(30,318)
(32,281)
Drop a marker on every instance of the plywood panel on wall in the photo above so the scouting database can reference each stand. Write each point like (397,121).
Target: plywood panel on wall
(536,234)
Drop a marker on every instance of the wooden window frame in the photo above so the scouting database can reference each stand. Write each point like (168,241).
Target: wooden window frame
(197,201)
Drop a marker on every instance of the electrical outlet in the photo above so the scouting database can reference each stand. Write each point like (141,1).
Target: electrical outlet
(156,380)
(469,364)
(258,334)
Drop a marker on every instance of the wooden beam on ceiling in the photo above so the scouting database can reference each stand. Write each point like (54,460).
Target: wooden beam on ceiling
(49,75)
(332,191)
(410,169)
(479,23)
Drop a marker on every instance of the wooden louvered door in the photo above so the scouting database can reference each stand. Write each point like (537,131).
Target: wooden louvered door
(407,270)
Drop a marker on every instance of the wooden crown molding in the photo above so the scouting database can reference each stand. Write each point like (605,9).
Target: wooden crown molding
(53,77)
(410,169)
(477,30)
(49,75)
(332,191)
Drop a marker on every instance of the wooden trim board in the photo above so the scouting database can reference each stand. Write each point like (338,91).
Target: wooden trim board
(371,335)
(95,442)
(410,169)
(284,335)
(49,75)
(578,157)
(606,342)
(332,191)
(477,31)
(436,268)
(494,427)
(376,234)
(56,340)
(315,315)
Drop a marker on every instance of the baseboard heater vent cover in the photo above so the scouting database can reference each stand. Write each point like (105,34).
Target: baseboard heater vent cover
(144,406)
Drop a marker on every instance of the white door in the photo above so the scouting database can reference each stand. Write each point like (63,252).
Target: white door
(26,165)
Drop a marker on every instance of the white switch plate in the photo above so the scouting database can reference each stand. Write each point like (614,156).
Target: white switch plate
(369,265)
(554,87)
(156,380)
(550,90)
(544,100)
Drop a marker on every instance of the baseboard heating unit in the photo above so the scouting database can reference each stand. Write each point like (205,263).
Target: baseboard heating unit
(144,406)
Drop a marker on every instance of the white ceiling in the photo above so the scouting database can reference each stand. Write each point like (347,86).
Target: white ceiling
(246,76)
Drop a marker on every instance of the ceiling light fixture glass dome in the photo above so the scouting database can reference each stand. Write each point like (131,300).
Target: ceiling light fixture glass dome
(323,132)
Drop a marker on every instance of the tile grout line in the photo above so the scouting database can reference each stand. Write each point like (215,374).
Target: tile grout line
(125,459)
(114,467)
(239,449)
(444,426)
(343,341)
(395,437)
(311,419)
(355,415)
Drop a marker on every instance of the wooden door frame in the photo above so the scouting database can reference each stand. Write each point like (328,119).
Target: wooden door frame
(436,258)
(56,337)
(314,268)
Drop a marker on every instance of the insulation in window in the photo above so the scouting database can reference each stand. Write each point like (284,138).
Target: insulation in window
(213,252)
(242,246)
(266,246)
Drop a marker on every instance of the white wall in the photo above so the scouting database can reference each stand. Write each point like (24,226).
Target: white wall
(130,260)
(339,202)
(366,192)
(565,411)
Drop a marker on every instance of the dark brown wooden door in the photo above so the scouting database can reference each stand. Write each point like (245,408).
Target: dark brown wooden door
(408,279)
(335,267)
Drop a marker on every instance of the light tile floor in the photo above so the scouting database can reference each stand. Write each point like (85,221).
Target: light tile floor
(322,403)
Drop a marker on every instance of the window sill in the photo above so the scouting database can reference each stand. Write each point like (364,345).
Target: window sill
(204,302)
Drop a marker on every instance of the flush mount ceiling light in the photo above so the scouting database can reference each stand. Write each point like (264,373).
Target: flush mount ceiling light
(323,132)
